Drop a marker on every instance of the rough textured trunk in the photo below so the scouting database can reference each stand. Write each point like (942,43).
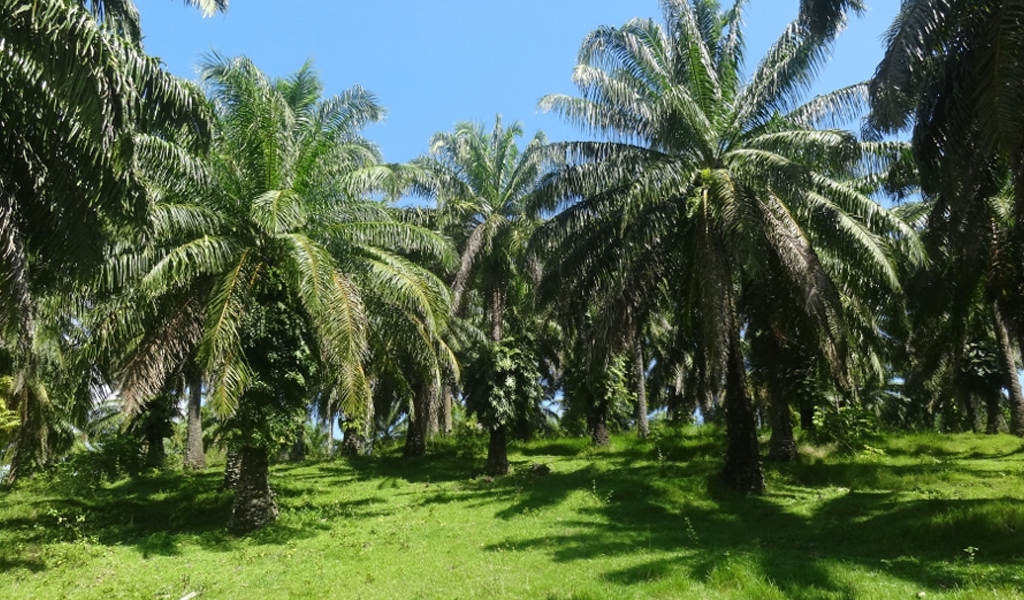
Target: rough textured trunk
(433,413)
(415,441)
(781,446)
(195,456)
(497,452)
(597,424)
(254,504)
(996,422)
(974,416)
(742,461)
(446,410)
(1008,366)
(352,444)
(155,454)
(329,425)
(497,314)
(21,456)
(419,419)
(233,469)
(640,374)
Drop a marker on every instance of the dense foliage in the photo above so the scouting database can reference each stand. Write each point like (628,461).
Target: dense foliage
(224,268)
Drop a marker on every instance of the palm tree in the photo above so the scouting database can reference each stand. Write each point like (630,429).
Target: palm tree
(712,184)
(277,226)
(480,182)
(952,72)
(73,99)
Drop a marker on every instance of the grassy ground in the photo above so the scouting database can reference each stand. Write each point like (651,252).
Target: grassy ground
(942,515)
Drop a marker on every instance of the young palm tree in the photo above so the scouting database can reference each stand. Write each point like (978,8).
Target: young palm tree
(280,259)
(480,182)
(710,184)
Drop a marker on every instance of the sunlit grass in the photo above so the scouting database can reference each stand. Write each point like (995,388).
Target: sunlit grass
(927,513)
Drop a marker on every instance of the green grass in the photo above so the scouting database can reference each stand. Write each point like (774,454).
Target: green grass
(937,514)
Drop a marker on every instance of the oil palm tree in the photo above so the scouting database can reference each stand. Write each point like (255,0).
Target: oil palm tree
(281,258)
(711,183)
(74,97)
(952,73)
(480,181)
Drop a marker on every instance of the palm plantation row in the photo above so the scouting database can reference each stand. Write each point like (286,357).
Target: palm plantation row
(718,249)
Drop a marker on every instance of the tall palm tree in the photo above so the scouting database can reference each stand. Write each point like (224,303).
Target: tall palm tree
(480,181)
(712,184)
(952,72)
(74,98)
(277,225)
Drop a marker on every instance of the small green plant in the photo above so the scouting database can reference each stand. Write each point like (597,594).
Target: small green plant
(847,425)
(972,553)
(691,533)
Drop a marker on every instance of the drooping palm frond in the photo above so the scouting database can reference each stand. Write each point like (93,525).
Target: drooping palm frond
(707,187)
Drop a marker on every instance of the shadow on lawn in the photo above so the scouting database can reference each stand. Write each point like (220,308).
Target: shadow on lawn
(646,509)
(153,513)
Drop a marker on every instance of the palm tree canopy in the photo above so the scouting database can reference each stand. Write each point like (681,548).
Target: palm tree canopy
(284,201)
(74,101)
(706,180)
(480,181)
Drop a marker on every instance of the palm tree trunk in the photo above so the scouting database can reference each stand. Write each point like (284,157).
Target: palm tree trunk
(351,443)
(806,414)
(781,446)
(22,440)
(446,409)
(742,460)
(416,433)
(433,413)
(497,452)
(996,422)
(195,456)
(597,423)
(974,416)
(639,372)
(155,453)
(497,314)
(254,504)
(233,469)
(1011,378)
(329,425)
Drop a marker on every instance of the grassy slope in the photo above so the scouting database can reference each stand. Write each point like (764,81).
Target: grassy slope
(644,520)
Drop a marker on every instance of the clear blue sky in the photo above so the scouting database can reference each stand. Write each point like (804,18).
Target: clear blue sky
(435,62)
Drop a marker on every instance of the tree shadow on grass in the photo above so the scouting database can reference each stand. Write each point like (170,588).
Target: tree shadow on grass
(414,469)
(650,516)
(156,514)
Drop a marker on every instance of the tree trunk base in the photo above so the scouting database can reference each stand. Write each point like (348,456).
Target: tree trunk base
(599,435)
(781,446)
(254,505)
(497,452)
(352,444)
(742,470)
(996,422)
(415,441)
